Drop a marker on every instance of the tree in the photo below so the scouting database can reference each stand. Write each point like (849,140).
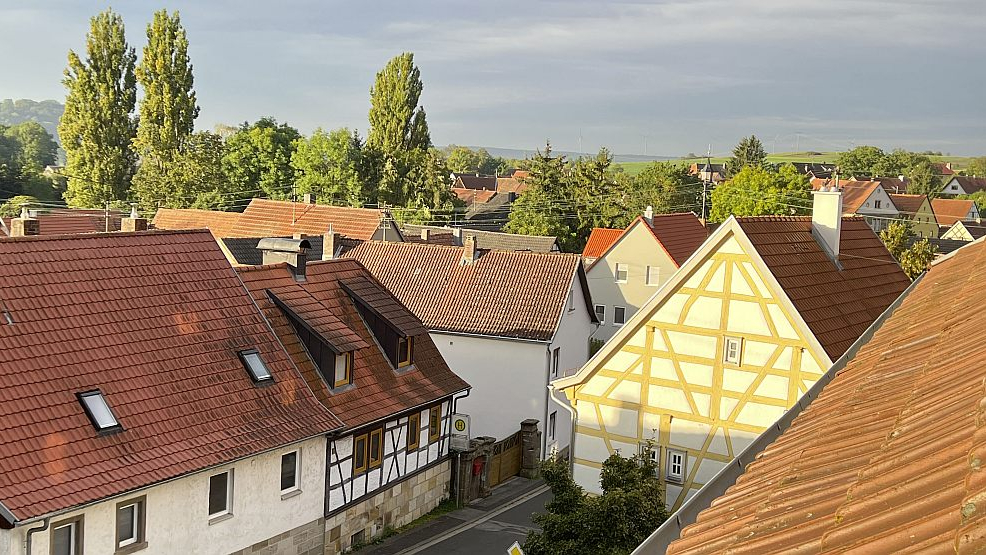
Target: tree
(756,191)
(860,160)
(194,178)
(466,160)
(36,147)
(257,160)
(12,207)
(977,167)
(630,508)
(913,259)
(591,192)
(541,210)
(397,122)
(422,188)
(980,199)
(167,109)
(328,164)
(98,127)
(924,179)
(749,152)
(664,186)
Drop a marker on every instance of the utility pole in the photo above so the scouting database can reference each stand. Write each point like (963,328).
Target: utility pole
(706,177)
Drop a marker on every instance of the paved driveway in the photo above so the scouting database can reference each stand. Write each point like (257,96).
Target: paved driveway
(495,535)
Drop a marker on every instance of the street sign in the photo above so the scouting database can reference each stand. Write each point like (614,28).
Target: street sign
(460,432)
(515,549)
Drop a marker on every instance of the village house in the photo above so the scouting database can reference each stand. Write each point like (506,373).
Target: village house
(963,185)
(509,323)
(624,274)
(488,240)
(917,210)
(881,456)
(737,335)
(62,221)
(712,173)
(968,230)
(948,211)
(868,199)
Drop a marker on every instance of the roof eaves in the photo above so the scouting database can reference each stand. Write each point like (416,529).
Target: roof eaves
(365,304)
(7,516)
(294,315)
(670,531)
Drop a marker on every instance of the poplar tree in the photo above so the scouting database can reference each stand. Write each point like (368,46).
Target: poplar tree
(397,123)
(167,109)
(98,126)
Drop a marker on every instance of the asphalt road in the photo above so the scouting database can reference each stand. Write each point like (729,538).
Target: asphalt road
(494,536)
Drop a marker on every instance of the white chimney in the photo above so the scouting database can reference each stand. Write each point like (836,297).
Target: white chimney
(826,218)
(649,214)
(425,234)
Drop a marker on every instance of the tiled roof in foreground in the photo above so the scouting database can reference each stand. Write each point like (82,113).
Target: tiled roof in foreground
(155,321)
(887,458)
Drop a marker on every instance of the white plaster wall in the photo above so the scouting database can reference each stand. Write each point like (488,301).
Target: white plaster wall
(572,338)
(176,512)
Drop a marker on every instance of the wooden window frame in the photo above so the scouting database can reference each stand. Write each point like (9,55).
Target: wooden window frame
(414,431)
(434,423)
(375,463)
(365,452)
(140,526)
(348,357)
(79,522)
(410,351)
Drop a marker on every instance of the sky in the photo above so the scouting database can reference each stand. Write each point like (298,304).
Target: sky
(658,78)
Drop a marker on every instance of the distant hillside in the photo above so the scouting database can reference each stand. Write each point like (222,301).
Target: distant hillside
(520,154)
(46,112)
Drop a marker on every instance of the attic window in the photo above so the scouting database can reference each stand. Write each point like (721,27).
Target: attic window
(98,411)
(255,366)
(405,348)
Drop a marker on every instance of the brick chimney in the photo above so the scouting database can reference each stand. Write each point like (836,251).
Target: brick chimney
(330,243)
(292,251)
(308,198)
(133,222)
(469,250)
(24,225)
(649,215)
(826,218)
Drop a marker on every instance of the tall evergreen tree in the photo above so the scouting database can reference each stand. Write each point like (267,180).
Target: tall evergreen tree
(749,152)
(542,209)
(167,109)
(98,126)
(397,123)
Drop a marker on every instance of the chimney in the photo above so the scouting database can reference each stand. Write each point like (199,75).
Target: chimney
(308,198)
(948,165)
(826,218)
(25,225)
(649,215)
(292,251)
(457,233)
(133,222)
(330,242)
(469,250)
(425,234)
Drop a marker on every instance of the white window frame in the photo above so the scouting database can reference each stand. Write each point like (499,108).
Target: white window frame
(619,324)
(297,471)
(135,521)
(734,360)
(555,356)
(647,276)
(74,530)
(602,319)
(626,271)
(676,477)
(571,300)
(552,419)
(228,510)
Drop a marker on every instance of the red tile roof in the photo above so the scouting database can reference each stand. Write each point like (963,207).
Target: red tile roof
(680,234)
(837,305)
(379,391)
(154,321)
(887,458)
(504,294)
(219,223)
(908,205)
(949,211)
(854,193)
(600,239)
(472,196)
(72,221)
(475,182)
(514,184)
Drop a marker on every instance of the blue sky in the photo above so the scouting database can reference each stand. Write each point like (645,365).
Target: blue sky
(675,75)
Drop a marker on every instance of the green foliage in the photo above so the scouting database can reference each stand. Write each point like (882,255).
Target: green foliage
(757,191)
(666,187)
(397,123)
(979,197)
(194,179)
(860,160)
(541,210)
(749,152)
(591,191)
(98,124)
(630,508)
(257,160)
(36,148)
(872,161)
(329,165)
(977,167)
(25,150)
(924,179)
(465,160)
(12,207)
(46,112)
(417,184)
(914,259)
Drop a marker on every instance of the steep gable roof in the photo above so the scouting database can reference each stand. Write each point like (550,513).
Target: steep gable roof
(949,211)
(970,184)
(854,192)
(475,182)
(516,184)
(325,305)
(505,294)
(474,196)
(154,321)
(909,205)
(885,458)
(600,239)
(678,234)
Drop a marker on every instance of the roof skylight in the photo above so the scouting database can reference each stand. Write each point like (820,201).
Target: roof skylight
(255,366)
(98,410)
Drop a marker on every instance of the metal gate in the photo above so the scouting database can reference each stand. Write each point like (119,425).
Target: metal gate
(504,460)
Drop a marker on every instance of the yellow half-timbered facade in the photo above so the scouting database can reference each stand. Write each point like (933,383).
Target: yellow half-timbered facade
(717,355)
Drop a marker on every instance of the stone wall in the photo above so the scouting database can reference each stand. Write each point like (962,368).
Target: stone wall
(303,540)
(390,508)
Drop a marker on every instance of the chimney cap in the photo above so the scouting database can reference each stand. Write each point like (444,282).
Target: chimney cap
(280,244)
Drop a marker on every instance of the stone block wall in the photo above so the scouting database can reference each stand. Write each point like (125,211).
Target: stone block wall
(303,540)
(390,508)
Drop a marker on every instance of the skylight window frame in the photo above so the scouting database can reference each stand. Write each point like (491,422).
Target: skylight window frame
(246,365)
(100,428)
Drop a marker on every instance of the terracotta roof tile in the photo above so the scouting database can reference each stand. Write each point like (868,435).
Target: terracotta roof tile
(600,239)
(490,240)
(854,193)
(219,223)
(908,205)
(473,196)
(70,221)
(506,294)
(154,321)
(379,391)
(949,211)
(836,305)
(885,459)
(681,234)
(516,184)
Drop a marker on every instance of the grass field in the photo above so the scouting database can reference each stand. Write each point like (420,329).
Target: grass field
(633,168)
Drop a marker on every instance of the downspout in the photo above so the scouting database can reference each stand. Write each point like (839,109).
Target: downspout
(456,399)
(547,401)
(570,407)
(31,531)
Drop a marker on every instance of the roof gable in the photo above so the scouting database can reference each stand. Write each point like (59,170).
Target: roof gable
(911,205)
(949,211)
(600,239)
(677,234)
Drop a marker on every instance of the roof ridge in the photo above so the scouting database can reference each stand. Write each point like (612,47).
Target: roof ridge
(80,236)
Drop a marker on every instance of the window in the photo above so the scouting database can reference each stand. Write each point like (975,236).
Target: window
(601,313)
(376,447)
(554,362)
(413,431)
(621,273)
(130,525)
(99,411)
(876,204)
(619,315)
(289,471)
(571,300)
(404,348)
(343,370)
(732,352)
(551,425)
(359,454)
(66,537)
(255,366)
(653,275)
(220,494)
(676,466)
(434,423)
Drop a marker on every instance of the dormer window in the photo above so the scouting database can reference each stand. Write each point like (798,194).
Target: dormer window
(343,374)
(99,411)
(405,349)
(255,366)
